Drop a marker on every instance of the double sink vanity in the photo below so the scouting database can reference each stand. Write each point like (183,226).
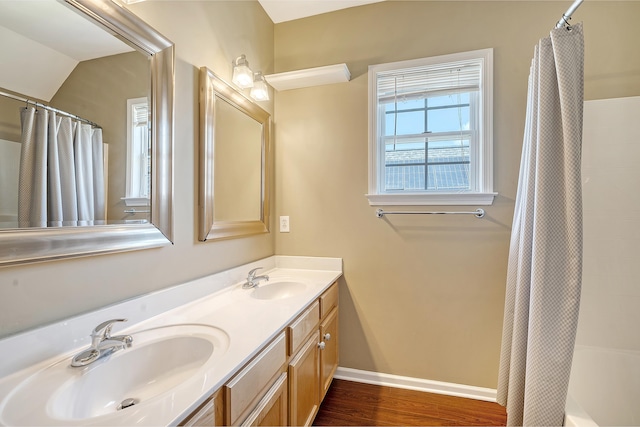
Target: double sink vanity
(207,352)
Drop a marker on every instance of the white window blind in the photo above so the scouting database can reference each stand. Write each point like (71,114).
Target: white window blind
(421,82)
(140,115)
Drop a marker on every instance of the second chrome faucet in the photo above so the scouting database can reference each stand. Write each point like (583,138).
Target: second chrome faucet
(252,279)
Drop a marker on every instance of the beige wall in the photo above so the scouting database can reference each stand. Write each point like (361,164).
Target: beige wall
(10,119)
(208,34)
(421,296)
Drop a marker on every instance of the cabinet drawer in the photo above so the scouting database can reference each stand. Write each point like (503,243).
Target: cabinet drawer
(303,326)
(250,383)
(329,300)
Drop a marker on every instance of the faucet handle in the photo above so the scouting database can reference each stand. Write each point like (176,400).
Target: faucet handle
(103,331)
(252,273)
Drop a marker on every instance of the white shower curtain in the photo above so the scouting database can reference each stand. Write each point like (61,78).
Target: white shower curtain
(62,179)
(545,258)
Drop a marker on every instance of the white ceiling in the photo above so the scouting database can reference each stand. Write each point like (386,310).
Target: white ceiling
(37,55)
(288,10)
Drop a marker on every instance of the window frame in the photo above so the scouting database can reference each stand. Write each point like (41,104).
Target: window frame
(481,152)
(134,173)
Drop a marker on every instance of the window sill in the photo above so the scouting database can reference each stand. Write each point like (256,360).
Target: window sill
(136,201)
(433,199)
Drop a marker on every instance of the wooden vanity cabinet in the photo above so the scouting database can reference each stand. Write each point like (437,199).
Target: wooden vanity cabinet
(287,380)
(313,364)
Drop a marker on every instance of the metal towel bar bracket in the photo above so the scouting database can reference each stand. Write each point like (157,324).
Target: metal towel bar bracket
(479,213)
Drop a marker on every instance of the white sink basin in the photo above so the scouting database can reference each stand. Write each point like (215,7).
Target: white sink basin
(278,290)
(160,360)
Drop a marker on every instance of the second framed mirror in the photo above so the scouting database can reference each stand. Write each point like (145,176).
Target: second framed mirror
(234,168)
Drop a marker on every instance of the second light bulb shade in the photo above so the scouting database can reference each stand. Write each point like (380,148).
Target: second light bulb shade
(259,91)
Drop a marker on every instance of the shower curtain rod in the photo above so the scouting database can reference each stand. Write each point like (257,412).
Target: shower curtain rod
(567,15)
(46,107)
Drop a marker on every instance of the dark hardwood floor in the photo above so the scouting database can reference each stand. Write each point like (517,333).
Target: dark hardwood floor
(350,403)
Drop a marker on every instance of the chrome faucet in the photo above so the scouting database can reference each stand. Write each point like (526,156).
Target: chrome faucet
(102,344)
(252,279)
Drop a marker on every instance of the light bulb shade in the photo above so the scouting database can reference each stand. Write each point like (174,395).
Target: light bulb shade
(242,74)
(260,90)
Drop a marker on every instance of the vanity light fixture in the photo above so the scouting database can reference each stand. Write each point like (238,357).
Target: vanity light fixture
(259,91)
(242,74)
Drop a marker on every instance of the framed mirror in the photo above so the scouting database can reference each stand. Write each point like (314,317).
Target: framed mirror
(234,168)
(51,240)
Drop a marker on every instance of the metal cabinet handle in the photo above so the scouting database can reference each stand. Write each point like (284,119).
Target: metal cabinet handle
(321,345)
(327,336)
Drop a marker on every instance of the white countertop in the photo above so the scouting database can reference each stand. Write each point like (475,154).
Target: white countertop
(218,301)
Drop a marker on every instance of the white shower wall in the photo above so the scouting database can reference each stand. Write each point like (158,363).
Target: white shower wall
(609,311)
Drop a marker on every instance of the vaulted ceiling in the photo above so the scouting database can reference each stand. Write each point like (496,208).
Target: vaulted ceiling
(41,43)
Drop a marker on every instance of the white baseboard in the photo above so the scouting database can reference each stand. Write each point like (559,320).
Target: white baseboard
(450,389)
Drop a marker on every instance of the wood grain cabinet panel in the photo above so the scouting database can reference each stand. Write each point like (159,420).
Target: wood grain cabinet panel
(329,300)
(210,413)
(272,410)
(244,391)
(329,354)
(300,328)
(304,383)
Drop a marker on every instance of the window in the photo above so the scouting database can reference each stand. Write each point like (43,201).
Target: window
(138,180)
(430,136)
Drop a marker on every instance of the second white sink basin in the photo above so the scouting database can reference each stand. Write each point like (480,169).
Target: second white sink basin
(278,290)
(159,360)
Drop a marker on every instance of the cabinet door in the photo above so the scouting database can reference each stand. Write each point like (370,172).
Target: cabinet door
(272,409)
(304,383)
(328,352)
(209,413)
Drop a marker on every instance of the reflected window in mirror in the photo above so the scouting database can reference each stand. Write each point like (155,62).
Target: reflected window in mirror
(138,183)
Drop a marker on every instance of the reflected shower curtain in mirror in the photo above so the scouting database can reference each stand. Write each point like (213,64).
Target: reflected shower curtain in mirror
(545,258)
(62,177)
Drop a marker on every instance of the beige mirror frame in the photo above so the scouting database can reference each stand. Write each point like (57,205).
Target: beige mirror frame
(20,246)
(212,86)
